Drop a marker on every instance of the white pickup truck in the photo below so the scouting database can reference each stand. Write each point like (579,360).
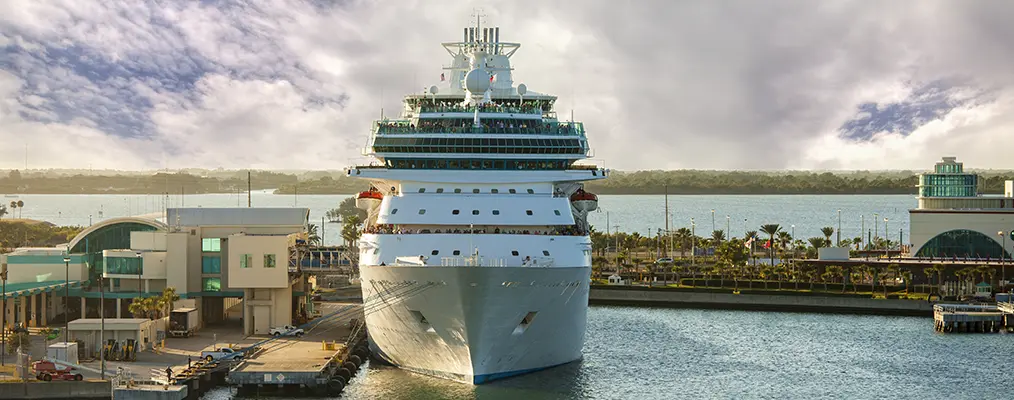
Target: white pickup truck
(223,354)
(287,330)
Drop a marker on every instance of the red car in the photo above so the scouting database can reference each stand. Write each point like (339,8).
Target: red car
(47,371)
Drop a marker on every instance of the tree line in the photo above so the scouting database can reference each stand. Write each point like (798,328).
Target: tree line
(619,182)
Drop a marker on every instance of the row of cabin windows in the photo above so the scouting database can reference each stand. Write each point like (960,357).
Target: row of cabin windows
(513,253)
(477,191)
(474,212)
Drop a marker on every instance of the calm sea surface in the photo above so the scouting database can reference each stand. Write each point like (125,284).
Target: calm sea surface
(644,353)
(644,214)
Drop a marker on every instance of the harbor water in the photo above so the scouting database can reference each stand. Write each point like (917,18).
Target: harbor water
(644,214)
(654,353)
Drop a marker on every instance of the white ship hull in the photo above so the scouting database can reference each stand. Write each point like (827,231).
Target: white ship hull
(469,323)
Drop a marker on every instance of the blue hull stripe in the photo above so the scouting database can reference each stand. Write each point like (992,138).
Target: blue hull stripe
(476,380)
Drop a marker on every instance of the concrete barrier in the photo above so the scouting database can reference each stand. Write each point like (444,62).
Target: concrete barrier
(56,390)
(666,297)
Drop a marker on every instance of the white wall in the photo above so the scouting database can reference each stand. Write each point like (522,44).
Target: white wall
(177,269)
(256,276)
(926,225)
(148,241)
(41,266)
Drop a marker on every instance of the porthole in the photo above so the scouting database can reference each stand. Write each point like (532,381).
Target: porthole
(440,190)
(456,212)
(422,211)
(529,212)
(512,191)
(456,252)
(545,253)
(435,252)
(476,191)
(494,191)
(514,253)
(557,212)
(422,190)
(475,212)
(531,191)
(496,212)
(394,211)
(458,190)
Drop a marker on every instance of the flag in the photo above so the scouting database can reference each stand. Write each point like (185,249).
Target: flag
(491,77)
(441,77)
(767,243)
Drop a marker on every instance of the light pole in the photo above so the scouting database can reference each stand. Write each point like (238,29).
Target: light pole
(1003,256)
(66,298)
(102,328)
(693,240)
(793,234)
(887,246)
(139,283)
(876,224)
(728,233)
(839,229)
(713,220)
(3,315)
(862,221)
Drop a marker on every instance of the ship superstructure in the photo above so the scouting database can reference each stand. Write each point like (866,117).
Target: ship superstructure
(475,258)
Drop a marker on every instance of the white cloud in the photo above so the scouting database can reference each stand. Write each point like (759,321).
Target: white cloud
(293,84)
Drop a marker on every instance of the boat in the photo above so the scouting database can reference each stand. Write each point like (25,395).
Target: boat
(475,259)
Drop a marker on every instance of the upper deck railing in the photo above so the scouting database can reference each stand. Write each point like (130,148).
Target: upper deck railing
(483,108)
(488,127)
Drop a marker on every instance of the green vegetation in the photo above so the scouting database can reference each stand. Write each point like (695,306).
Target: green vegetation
(154,307)
(619,182)
(34,234)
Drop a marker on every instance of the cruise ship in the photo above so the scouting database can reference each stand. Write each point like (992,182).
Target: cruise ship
(475,257)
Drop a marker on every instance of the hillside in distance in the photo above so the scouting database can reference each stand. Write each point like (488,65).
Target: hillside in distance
(194,181)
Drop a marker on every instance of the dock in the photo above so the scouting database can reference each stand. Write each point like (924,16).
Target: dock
(314,364)
(970,318)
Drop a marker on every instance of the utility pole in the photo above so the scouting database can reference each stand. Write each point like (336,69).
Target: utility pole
(667,212)
(248,202)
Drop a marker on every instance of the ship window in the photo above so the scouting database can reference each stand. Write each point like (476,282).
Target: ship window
(475,212)
(440,190)
(435,252)
(531,191)
(422,211)
(376,251)
(545,253)
(494,191)
(456,212)
(529,212)
(512,191)
(422,190)
(394,211)
(458,190)
(557,212)
(496,212)
(475,191)
(514,253)
(456,252)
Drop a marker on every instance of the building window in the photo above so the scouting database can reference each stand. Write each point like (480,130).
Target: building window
(422,190)
(962,243)
(211,265)
(124,266)
(475,212)
(557,212)
(456,212)
(211,244)
(529,212)
(245,260)
(211,284)
(496,212)
(494,191)
(440,190)
(269,261)
(422,211)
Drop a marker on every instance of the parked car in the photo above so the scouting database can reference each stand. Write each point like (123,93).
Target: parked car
(223,354)
(47,371)
(664,260)
(287,330)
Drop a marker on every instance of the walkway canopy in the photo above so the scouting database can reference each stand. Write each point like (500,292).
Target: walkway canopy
(15,290)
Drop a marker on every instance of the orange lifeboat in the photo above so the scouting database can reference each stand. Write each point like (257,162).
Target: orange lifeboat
(584,201)
(369,199)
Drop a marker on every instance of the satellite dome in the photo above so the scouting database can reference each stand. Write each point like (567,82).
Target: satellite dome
(522,89)
(477,81)
(434,89)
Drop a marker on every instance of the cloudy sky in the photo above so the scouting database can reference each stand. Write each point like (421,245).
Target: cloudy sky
(698,84)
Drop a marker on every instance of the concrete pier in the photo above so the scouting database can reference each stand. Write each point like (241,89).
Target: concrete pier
(967,318)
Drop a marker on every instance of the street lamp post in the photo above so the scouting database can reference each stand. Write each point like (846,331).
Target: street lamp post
(1003,256)
(876,224)
(3,316)
(693,240)
(793,241)
(66,298)
(887,246)
(728,232)
(139,283)
(862,228)
(839,230)
(713,228)
(102,328)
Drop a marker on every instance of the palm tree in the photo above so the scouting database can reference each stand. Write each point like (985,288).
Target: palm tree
(312,238)
(827,231)
(718,236)
(3,210)
(784,240)
(816,242)
(771,230)
(858,240)
(168,298)
(682,237)
(144,308)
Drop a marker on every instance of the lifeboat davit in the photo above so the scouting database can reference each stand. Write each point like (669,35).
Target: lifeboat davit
(584,201)
(369,199)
